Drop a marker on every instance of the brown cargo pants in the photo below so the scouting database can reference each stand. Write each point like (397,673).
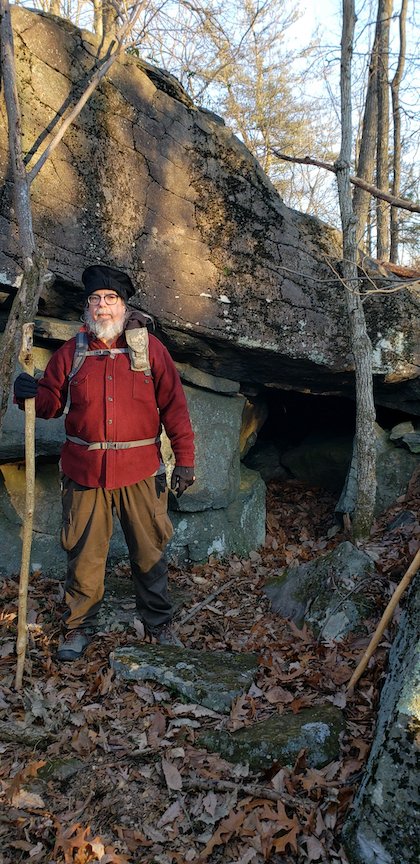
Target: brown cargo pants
(86,533)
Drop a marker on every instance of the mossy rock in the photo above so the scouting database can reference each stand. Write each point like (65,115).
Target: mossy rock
(328,593)
(281,738)
(213,679)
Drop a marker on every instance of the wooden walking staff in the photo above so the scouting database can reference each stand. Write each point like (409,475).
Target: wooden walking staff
(27,362)
(386,617)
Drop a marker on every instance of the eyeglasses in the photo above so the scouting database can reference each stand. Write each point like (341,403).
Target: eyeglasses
(110,299)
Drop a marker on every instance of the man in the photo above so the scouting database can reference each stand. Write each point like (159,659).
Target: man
(118,384)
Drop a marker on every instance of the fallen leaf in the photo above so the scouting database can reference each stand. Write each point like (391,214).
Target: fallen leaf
(289,839)
(28,800)
(156,729)
(36,850)
(278,694)
(139,628)
(227,828)
(314,848)
(172,775)
(97,847)
(7,649)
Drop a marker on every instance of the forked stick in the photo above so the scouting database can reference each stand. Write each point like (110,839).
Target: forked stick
(27,362)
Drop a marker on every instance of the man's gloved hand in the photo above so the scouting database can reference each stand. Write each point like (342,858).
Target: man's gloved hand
(25,386)
(181,478)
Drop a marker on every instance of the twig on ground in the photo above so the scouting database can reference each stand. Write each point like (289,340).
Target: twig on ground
(253,789)
(206,601)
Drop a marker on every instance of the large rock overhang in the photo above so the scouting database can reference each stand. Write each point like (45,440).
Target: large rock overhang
(238,283)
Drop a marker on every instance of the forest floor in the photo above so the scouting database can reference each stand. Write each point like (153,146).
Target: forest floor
(98,769)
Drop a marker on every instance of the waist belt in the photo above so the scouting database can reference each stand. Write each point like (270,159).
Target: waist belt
(113,445)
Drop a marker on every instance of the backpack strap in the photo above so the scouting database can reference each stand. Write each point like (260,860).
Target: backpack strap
(79,356)
(138,349)
(81,351)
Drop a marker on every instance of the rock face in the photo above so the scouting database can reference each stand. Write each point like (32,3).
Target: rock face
(396,462)
(329,593)
(240,285)
(384,826)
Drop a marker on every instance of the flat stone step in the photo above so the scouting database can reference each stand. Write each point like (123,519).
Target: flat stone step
(213,679)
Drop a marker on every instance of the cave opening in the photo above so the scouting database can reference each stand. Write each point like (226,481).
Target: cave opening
(305,436)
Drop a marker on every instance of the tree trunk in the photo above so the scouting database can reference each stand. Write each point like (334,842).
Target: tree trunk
(367,150)
(26,359)
(109,19)
(382,155)
(97,18)
(34,267)
(396,118)
(359,339)
(55,7)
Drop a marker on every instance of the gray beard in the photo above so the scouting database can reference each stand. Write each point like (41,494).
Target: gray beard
(105,330)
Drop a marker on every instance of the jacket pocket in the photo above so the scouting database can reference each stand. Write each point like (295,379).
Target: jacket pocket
(79,390)
(143,387)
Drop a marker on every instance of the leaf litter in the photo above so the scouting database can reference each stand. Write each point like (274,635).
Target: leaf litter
(97,769)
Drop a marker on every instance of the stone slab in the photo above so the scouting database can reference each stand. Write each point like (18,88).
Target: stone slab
(213,679)
(281,738)
(206,381)
(216,420)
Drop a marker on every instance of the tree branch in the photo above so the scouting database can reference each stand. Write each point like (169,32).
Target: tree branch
(93,83)
(254,789)
(403,203)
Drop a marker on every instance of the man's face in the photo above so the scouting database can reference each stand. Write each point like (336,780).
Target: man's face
(106,319)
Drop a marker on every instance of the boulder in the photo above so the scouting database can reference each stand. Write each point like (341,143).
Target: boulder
(395,466)
(216,420)
(320,460)
(280,739)
(328,593)
(383,826)
(213,679)
(240,285)
(265,457)
(238,528)
(254,415)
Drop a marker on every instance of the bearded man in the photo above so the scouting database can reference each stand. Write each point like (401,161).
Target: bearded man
(117,384)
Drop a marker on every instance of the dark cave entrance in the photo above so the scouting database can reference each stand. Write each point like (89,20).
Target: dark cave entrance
(307,437)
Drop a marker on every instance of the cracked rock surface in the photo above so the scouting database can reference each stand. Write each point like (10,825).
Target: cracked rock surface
(240,285)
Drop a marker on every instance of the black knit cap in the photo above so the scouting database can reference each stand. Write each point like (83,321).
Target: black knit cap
(100,276)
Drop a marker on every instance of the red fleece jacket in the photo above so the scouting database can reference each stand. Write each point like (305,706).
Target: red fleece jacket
(110,402)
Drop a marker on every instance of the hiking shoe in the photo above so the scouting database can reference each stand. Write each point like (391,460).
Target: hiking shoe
(165,635)
(73,644)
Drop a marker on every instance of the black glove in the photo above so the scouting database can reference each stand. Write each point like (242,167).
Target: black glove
(160,484)
(181,478)
(25,386)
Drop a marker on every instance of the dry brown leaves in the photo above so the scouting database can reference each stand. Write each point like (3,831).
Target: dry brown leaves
(94,769)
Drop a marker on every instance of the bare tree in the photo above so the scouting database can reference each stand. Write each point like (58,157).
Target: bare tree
(359,339)
(382,146)
(35,271)
(396,118)
(365,165)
